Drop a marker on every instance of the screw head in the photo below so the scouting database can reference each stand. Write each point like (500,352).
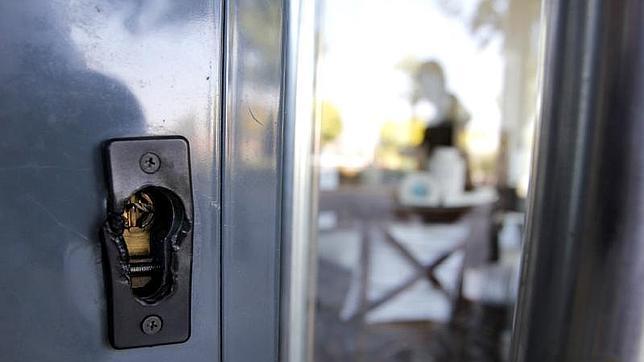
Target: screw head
(150,162)
(151,324)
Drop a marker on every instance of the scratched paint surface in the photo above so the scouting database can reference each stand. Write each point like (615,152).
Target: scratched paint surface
(74,73)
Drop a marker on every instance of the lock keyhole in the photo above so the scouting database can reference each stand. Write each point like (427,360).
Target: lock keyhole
(153,219)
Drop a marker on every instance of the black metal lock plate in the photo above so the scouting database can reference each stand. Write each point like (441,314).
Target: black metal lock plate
(147,241)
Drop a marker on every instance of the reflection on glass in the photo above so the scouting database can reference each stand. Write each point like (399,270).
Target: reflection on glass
(426,111)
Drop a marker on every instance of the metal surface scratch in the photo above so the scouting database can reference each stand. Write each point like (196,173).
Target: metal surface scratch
(255,118)
(55,219)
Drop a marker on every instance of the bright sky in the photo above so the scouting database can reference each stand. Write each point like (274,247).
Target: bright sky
(366,40)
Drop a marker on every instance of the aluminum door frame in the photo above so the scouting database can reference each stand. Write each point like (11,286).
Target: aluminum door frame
(581,296)
(252,151)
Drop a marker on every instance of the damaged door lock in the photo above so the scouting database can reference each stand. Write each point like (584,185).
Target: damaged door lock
(147,241)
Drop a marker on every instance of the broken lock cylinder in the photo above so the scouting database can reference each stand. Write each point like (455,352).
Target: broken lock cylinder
(147,241)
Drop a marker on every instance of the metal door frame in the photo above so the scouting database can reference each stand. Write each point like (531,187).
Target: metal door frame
(581,297)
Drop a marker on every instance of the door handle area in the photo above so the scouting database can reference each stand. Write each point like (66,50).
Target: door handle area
(147,240)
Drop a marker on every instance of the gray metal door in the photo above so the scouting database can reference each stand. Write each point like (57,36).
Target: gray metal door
(74,74)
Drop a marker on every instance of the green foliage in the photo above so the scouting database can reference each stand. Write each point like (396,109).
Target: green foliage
(331,122)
